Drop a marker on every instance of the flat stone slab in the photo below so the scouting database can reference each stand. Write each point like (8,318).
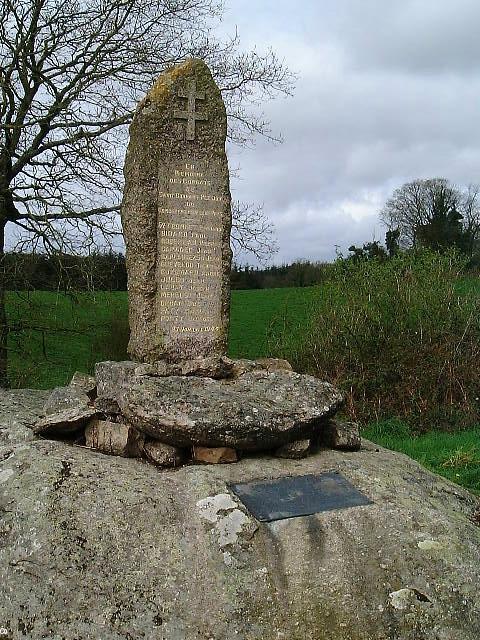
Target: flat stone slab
(258,411)
(67,421)
(62,398)
(296,496)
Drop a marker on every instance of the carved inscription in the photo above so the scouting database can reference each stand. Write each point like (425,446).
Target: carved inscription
(189,266)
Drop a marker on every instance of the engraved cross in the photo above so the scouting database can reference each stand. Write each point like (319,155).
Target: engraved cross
(190,115)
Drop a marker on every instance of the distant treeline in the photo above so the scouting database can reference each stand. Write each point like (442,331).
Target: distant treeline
(298,274)
(107,272)
(64,272)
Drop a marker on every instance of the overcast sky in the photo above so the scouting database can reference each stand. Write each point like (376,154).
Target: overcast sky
(387,91)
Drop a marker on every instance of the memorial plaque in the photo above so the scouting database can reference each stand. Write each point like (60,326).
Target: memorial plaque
(176,216)
(291,497)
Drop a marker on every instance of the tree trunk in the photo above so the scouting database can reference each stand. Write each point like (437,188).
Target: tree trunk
(7,212)
(3,312)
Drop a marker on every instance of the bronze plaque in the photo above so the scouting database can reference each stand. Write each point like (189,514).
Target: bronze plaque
(294,496)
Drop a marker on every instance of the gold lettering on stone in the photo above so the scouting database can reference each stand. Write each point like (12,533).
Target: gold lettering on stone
(190,236)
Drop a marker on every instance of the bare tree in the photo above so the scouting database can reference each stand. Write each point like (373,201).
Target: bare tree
(252,231)
(414,206)
(470,210)
(71,73)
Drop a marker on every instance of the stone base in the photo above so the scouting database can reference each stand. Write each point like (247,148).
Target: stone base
(204,410)
(110,548)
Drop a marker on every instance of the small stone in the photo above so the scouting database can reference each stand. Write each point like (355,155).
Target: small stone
(114,439)
(163,455)
(216,367)
(242,366)
(214,455)
(85,383)
(294,450)
(341,435)
(67,421)
(67,410)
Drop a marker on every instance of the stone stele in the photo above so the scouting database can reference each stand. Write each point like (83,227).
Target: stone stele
(176,216)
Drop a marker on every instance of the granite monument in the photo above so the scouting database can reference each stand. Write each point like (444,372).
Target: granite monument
(181,398)
(176,219)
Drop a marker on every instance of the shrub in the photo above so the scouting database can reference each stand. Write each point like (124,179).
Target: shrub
(399,337)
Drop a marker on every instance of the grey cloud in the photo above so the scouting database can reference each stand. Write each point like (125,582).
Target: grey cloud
(428,36)
(365,116)
(320,238)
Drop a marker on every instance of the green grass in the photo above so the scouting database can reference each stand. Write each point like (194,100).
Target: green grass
(57,335)
(456,456)
(469,286)
(65,334)
(255,313)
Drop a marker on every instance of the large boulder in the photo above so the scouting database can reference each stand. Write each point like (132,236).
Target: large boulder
(257,411)
(94,547)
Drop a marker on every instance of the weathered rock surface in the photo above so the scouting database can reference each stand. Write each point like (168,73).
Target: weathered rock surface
(67,421)
(114,438)
(210,367)
(19,411)
(259,410)
(274,364)
(105,547)
(66,411)
(86,383)
(213,367)
(114,377)
(107,406)
(62,398)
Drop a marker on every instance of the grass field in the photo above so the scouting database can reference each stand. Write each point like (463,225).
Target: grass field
(255,313)
(455,456)
(58,335)
(71,333)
